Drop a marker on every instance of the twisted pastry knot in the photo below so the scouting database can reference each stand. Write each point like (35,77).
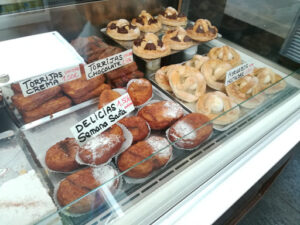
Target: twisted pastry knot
(245,88)
(226,54)
(162,79)
(202,30)
(187,83)
(146,22)
(213,104)
(267,78)
(214,71)
(197,61)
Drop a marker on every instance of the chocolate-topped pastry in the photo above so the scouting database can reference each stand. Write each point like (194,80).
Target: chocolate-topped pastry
(146,22)
(61,156)
(178,39)
(171,17)
(202,31)
(122,30)
(150,47)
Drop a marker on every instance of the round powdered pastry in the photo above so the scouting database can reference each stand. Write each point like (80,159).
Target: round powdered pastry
(171,17)
(202,31)
(162,79)
(187,83)
(161,115)
(141,150)
(140,91)
(213,104)
(149,46)
(146,23)
(106,97)
(197,61)
(184,132)
(177,39)
(226,54)
(137,126)
(61,156)
(122,30)
(103,147)
(214,71)
(243,89)
(80,183)
(266,78)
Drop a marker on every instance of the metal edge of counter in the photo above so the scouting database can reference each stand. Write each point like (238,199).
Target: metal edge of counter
(159,202)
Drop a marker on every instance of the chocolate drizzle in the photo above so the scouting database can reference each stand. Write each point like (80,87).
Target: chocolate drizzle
(150,46)
(200,30)
(122,30)
(160,43)
(112,26)
(140,20)
(132,27)
(187,39)
(151,21)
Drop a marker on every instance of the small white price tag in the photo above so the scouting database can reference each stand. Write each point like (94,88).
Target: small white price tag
(110,63)
(238,72)
(102,119)
(48,80)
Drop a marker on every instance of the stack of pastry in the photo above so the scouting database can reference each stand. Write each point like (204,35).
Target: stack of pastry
(41,104)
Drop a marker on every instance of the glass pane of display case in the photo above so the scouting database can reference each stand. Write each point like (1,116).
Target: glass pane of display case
(193,87)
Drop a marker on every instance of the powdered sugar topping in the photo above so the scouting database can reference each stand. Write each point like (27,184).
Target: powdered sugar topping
(172,110)
(185,130)
(160,144)
(104,173)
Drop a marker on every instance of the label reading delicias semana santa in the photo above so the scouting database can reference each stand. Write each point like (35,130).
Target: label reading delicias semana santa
(48,80)
(102,119)
(238,72)
(110,63)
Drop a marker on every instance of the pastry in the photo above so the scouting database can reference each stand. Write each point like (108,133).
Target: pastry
(137,126)
(161,115)
(92,94)
(122,30)
(215,104)
(162,79)
(61,156)
(177,39)
(122,71)
(269,80)
(48,108)
(197,61)
(122,81)
(190,131)
(33,101)
(171,17)
(245,91)
(103,147)
(202,31)
(214,71)
(149,46)
(140,91)
(187,83)
(226,54)
(24,200)
(106,97)
(81,183)
(140,151)
(146,23)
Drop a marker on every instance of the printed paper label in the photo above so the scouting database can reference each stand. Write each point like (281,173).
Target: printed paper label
(102,119)
(238,72)
(110,63)
(48,80)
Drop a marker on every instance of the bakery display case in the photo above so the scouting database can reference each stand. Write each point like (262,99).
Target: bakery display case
(137,113)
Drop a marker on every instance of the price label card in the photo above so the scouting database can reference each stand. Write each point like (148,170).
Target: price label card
(238,72)
(102,119)
(48,80)
(110,63)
